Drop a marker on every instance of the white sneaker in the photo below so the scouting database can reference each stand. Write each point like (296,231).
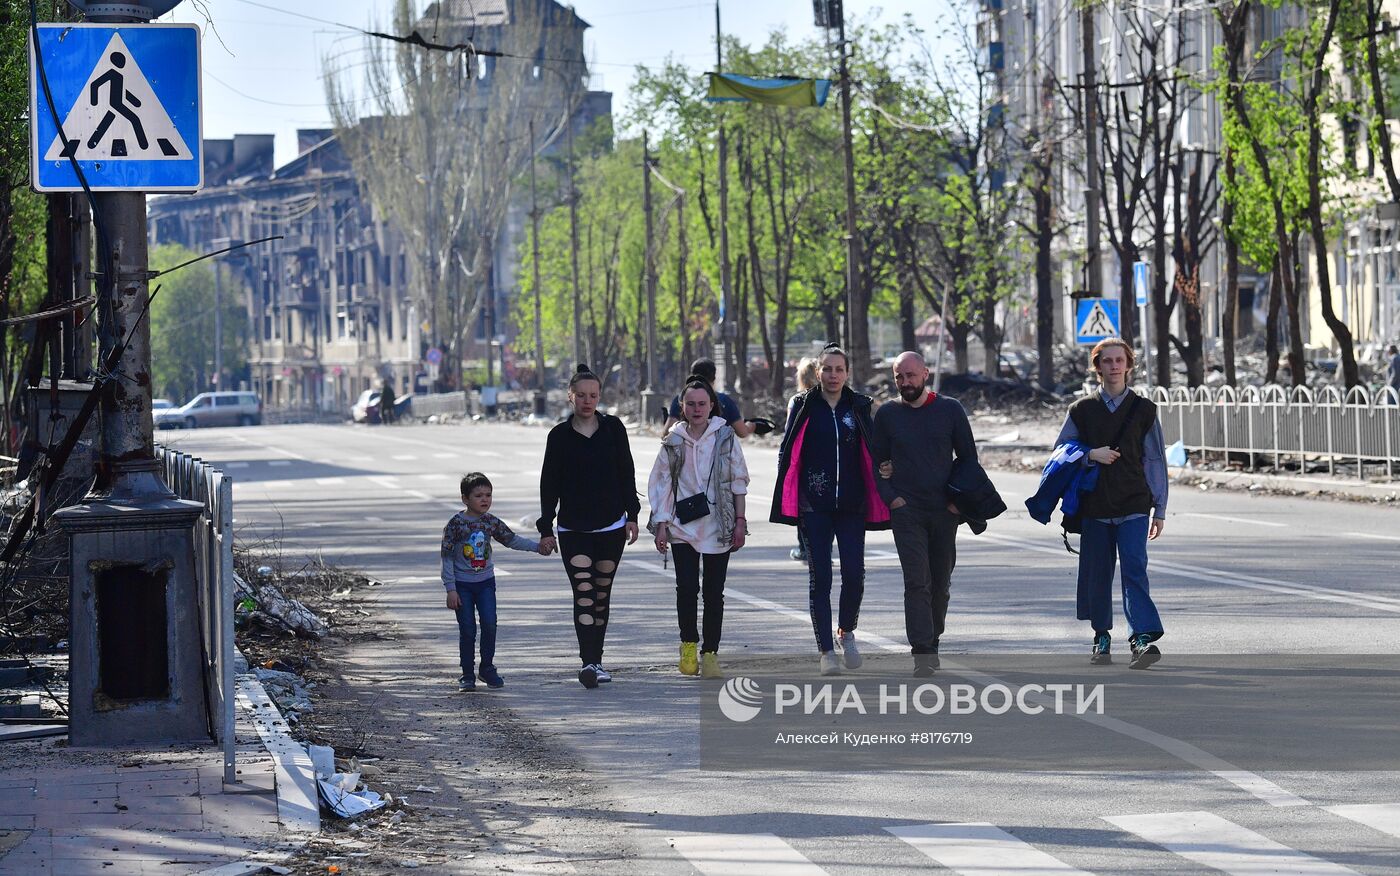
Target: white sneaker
(831,665)
(601,674)
(849,655)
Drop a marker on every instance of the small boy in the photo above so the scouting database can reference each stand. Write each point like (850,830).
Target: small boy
(470,579)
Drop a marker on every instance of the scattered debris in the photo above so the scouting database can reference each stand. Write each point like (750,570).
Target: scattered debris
(263,602)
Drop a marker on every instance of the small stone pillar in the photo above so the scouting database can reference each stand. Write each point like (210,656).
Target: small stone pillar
(135,653)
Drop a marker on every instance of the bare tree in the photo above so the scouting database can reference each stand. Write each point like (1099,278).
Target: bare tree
(438,137)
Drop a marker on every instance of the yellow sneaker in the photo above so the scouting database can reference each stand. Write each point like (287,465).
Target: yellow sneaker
(709,665)
(688,664)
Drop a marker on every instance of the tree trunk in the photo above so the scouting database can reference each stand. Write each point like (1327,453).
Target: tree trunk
(959,333)
(1271,345)
(906,317)
(1044,275)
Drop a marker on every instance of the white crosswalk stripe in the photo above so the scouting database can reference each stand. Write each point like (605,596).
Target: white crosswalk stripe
(1384,817)
(1219,843)
(763,854)
(980,849)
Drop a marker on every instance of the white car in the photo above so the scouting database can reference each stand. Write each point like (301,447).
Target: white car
(212,409)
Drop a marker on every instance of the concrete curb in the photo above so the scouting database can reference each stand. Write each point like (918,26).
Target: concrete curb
(298,806)
(1302,484)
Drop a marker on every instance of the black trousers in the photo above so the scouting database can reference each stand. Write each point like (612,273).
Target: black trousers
(689,586)
(927,545)
(591,559)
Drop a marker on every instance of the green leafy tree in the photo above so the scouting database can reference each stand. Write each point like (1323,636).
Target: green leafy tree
(182,326)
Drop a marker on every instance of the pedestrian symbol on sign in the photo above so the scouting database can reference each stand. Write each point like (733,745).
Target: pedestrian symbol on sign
(1097,323)
(119,107)
(1096,319)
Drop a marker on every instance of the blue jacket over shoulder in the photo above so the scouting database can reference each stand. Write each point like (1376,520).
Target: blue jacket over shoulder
(1063,479)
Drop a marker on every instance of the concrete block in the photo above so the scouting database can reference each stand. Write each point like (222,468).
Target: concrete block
(65,791)
(242,815)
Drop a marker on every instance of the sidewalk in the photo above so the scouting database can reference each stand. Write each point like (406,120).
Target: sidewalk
(162,810)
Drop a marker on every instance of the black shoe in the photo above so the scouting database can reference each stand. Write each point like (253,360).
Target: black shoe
(492,678)
(925,665)
(1100,656)
(1144,652)
(466,683)
(588,676)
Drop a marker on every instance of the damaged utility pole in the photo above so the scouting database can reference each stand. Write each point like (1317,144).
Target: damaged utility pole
(137,667)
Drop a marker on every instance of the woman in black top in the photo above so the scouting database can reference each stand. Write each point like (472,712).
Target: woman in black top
(588,476)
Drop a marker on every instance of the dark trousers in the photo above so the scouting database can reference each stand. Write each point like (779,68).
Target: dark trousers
(478,600)
(848,528)
(591,559)
(689,586)
(1099,546)
(927,545)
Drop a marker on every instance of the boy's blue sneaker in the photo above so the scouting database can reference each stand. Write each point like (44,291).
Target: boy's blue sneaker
(1100,654)
(466,683)
(492,678)
(1144,652)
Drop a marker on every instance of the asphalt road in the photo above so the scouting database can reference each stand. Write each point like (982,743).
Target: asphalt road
(1234,574)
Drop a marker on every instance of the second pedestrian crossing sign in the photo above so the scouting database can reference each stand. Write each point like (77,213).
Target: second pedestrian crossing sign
(1096,319)
(128,100)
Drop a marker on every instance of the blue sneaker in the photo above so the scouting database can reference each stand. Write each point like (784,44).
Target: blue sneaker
(466,683)
(492,678)
(1100,656)
(1144,652)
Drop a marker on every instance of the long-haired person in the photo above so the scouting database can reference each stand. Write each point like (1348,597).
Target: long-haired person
(588,481)
(696,490)
(826,486)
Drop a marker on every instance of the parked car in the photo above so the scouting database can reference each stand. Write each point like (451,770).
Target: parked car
(212,409)
(161,404)
(366,407)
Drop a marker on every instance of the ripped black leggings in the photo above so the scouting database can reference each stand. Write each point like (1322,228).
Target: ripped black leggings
(590,559)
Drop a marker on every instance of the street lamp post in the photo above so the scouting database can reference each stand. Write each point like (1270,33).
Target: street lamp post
(540,391)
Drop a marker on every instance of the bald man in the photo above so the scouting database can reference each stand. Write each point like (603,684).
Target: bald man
(919,436)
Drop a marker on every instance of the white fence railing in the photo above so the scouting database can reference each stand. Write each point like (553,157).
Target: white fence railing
(440,404)
(1273,421)
(190,478)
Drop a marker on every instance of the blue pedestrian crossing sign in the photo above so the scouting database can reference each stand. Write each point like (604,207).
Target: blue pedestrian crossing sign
(1096,319)
(1140,283)
(128,100)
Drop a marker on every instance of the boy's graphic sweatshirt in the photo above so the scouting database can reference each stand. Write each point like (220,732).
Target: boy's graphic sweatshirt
(466,547)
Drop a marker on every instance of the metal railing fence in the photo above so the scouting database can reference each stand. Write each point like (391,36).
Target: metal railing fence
(190,478)
(1355,426)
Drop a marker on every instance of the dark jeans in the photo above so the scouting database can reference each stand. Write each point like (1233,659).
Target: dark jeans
(688,587)
(848,528)
(1100,544)
(927,545)
(591,560)
(478,600)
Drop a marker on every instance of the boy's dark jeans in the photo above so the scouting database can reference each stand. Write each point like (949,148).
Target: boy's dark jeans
(478,600)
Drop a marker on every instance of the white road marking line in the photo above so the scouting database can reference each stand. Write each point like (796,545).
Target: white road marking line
(385,482)
(763,854)
(1219,843)
(1384,817)
(1377,535)
(279,462)
(235,465)
(374,519)
(445,455)
(270,485)
(981,849)
(1219,576)
(1224,519)
(479,452)
(527,452)
(405,457)
(329,482)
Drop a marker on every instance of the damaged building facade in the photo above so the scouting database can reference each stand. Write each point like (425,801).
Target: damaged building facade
(330,306)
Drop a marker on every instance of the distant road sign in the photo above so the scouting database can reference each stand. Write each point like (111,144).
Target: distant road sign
(129,100)
(1096,319)
(1140,282)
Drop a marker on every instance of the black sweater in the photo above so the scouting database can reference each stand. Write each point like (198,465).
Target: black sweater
(921,442)
(591,481)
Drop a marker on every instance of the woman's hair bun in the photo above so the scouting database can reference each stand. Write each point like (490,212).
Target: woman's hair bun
(583,369)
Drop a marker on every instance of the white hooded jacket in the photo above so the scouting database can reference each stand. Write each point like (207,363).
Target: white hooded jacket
(712,533)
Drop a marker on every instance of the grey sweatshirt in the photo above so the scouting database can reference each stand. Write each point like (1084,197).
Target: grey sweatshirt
(921,442)
(466,547)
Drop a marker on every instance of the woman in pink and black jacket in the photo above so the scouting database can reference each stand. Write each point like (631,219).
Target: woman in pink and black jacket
(827,486)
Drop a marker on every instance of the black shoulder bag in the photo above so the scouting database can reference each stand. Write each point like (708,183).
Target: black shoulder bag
(692,508)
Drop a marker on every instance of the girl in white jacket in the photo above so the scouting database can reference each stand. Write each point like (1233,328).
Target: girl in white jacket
(699,457)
